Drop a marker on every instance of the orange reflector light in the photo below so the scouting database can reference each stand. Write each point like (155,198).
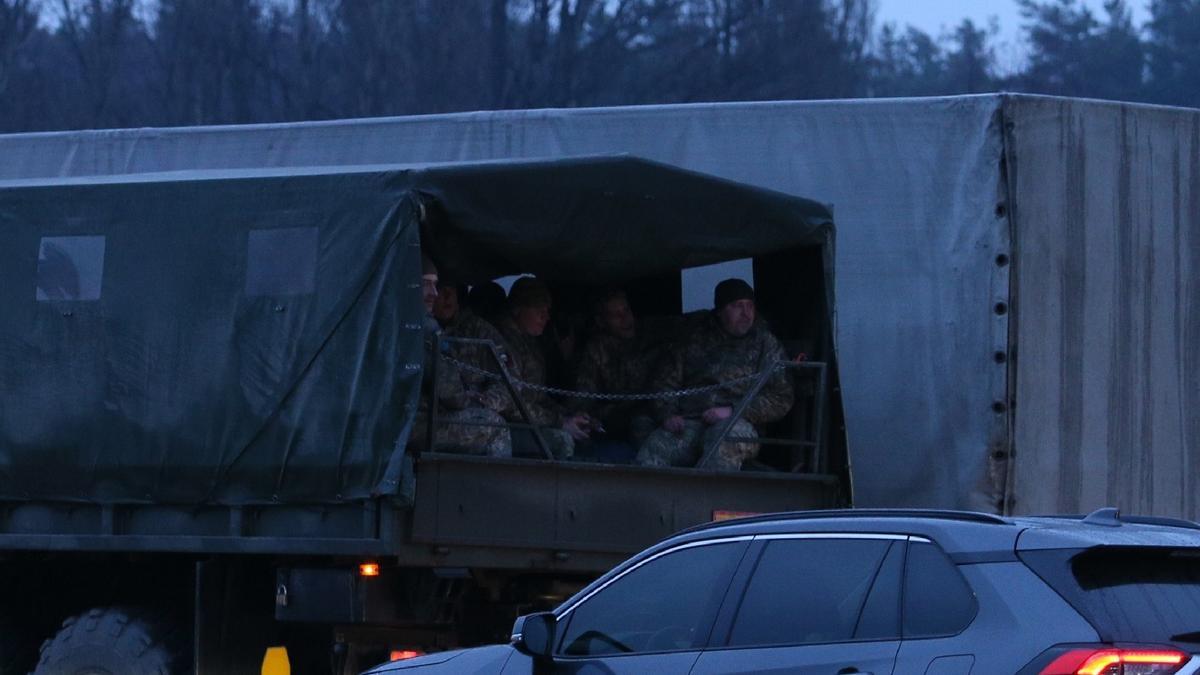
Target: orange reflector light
(404,654)
(368,570)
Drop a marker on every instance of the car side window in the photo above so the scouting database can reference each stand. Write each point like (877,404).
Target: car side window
(808,591)
(880,618)
(937,599)
(666,604)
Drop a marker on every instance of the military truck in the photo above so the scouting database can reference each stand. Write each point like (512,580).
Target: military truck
(1017,312)
(1016,274)
(211,379)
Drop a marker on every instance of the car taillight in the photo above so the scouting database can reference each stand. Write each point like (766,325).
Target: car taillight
(1110,661)
(404,654)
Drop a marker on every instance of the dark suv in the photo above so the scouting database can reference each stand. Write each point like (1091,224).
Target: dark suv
(838,592)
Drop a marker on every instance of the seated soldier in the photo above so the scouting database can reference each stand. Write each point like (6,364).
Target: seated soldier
(730,344)
(484,432)
(459,322)
(618,359)
(529,312)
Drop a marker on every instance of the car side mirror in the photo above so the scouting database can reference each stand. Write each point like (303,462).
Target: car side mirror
(533,634)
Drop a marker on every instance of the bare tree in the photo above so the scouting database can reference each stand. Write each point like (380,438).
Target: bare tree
(97,32)
(853,25)
(499,71)
(18,19)
(213,60)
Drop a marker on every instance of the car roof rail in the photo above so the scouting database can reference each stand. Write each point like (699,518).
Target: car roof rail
(1112,517)
(938,514)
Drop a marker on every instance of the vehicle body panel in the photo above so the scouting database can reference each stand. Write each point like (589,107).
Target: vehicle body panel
(1018,616)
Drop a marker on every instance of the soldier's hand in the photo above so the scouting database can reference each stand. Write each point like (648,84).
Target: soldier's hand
(576,426)
(593,423)
(714,415)
(674,424)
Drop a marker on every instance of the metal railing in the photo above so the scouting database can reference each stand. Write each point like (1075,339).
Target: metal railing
(814,444)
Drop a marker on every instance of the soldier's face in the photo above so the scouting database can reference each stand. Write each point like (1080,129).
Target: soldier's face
(429,291)
(737,317)
(616,317)
(445,307)
(532,320)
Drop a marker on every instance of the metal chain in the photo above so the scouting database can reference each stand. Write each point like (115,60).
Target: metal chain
(596,396)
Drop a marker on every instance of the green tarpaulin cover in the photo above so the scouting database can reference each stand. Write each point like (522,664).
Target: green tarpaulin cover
(256,336)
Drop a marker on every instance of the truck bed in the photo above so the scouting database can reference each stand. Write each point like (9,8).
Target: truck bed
(468,511)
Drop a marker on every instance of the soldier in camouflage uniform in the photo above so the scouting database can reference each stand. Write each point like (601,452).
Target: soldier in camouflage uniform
(459,322)
(529,312)
(617,360)
(732,344)
(456,402)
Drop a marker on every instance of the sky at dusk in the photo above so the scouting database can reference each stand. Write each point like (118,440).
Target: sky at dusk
(940,16)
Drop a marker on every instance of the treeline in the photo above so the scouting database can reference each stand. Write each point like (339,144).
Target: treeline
(68,64)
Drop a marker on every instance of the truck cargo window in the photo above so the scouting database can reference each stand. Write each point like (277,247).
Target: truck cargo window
(698,282)
(70,268)
(281,261)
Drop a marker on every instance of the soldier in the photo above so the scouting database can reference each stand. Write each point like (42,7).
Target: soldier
(529,312)
(484,431)
(617,360)
(448,301)
(731,344)
(459,322)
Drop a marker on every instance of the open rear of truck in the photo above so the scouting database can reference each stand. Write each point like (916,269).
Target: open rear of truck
(209,380)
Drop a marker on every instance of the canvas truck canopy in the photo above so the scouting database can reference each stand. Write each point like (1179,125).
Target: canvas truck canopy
(251,336)
(917,184)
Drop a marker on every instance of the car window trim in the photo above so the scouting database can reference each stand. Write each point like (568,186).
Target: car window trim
(839,535)
(563,618)
(692,544)
(739,580)
(722,540)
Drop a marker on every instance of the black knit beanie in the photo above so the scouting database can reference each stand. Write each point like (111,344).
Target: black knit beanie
(731,290)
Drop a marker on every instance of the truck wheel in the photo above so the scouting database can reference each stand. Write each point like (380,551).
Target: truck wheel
(108,641)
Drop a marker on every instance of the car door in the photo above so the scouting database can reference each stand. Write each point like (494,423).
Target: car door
(654,617)
(813,604)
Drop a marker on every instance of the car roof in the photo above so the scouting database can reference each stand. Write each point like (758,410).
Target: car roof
(1105,528)
(965,535)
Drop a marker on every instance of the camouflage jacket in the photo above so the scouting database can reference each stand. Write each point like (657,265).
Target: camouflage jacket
(467,324)
(450,387)
(527,362)
(612,365)
(710,356)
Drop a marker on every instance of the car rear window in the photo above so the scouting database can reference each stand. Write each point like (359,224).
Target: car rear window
(937,600)
(1129,594)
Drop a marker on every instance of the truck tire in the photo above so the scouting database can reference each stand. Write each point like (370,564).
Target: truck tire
(108,641)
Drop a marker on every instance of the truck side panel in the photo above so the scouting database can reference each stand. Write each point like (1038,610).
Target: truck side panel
(916,185)
(186,342)
(1108,280)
